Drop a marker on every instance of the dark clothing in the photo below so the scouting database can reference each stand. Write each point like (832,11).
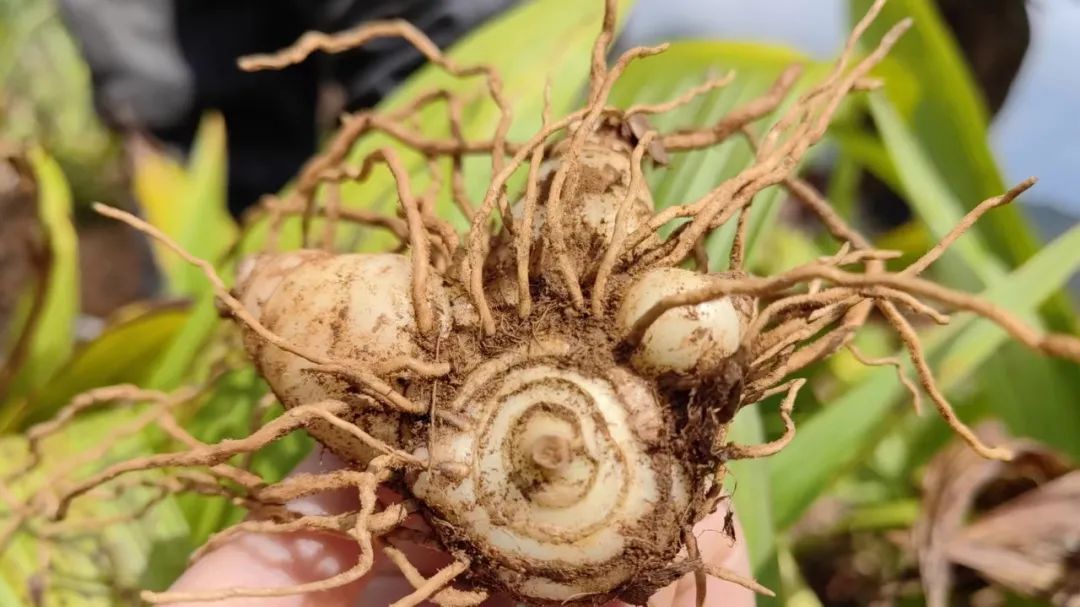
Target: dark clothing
(158,65)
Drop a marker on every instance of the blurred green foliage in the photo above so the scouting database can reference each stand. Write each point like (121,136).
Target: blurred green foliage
(45,99)
(924,134)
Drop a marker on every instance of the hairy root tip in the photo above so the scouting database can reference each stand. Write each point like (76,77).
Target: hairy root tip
(762,590)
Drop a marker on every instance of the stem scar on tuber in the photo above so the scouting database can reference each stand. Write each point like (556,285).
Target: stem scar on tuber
(551,390)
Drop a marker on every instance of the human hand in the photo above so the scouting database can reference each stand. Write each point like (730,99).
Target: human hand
(277,560)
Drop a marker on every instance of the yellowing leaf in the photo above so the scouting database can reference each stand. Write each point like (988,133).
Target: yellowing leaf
(187,203)
(53,334)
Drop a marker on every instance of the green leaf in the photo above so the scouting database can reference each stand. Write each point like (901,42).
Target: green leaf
(53,334)
(952,118)
(143,553)
(751,494)
(179,359)
(870,153)
(928,193)
(837,438)
(951,122)
(188,204)
(126,352)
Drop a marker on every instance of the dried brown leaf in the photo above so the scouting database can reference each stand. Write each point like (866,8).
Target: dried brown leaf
(952,484)
(1029,544)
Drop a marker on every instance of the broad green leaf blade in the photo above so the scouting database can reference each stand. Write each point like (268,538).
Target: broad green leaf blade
(837,438)
(126,352)
(180,359)
(830,443)
(158,182)
(868,152)
(928,193)
(952,118)
(207,230)
(53,334)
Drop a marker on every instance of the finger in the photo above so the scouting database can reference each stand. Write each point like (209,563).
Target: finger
(275,561)
(717,549)
(386,583)
(282,560)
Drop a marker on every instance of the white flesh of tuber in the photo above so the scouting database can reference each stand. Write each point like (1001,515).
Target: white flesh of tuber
(686,339)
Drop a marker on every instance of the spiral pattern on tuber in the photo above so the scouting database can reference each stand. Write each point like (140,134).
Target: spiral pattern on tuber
(560,477)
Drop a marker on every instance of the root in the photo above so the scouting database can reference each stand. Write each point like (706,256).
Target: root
(478,238)
(730,576)
(344,41)
(738,245)
(421,260)
(926,377)
(966,223)
(736,452)
(523,238)
(163,487)
(366,484)
(618,235)
(737,118)
(892,361)
(83,402)
(211,455)
(1061,345)
(419,218)
(683,100)
(775,160)
(810,312)
(435,588)
(568,168)
(694,554)
(446,597)
(883,288)
(380,523)
(457,178)
(47,497)
(333,213)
